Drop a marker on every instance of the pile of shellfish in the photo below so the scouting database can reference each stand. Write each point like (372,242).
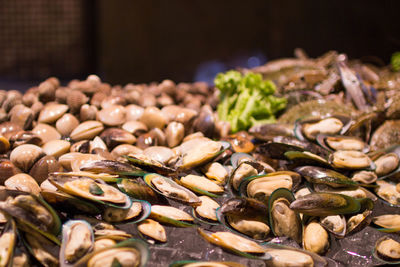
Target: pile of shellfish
(99,175)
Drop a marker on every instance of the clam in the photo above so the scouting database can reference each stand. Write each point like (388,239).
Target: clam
(88,112)
(25,156)
(387,250)
(152,229)
(153,118)
(351,159)
(111,167)
(66,124)
(86,130)
(174,132)
(45,165)
(56,148)
(46,132)
(315,238)
(179,114)
(206,210)
(171,216)
(261,187)
(115,136)
(77,241)
(7,169)
(4,144)
(133,112)
(124,150)
(217,172)
(235,243)
(335,224)
(324,204)
(283,220)
(78,160)
(91,190)
(23,182)
(388,192)
(52,112)
(22,138)
(9,128)
(138,212)
(113,115)
(388,222)
(21,115)
(170,189)
(201,184)
(135,127)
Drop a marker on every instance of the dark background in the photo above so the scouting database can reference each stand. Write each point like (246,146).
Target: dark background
(142,41)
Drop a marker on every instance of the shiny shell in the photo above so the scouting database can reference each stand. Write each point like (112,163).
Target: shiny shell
(52,112)
(87,130)
(23,182)
(56,148)
(66,124)
(113,115)
(46,132)
(24,156)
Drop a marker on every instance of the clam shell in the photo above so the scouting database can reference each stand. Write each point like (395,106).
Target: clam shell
(56,148)
(46,132)
(23,182)
(87,130)
(112,116)
(66,124)
(52,112)
(24,156)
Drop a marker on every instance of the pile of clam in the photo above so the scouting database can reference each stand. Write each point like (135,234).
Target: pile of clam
(80,163)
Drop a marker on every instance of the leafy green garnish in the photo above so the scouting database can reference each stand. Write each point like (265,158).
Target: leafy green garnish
(246,100)
(395,61)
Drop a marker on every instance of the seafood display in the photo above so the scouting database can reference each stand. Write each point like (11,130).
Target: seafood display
(99,175)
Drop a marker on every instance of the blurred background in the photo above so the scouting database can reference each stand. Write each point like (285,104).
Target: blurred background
(142,41)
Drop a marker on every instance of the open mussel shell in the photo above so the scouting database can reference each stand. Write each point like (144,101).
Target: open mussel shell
(106,177)
(257,230)
(336,224)
(171,216)
(395,149)
(309,128)
(341,142)
(261,187)
(235,243)
(351,160)
(192,263)
(77,241)
(388,223)
(139,211)
(282,219)
(356,192)
(387,250)
(137,253)
(8,239)
(277,148)
(193,182)
(91,190)
(25,218)
(201,154)
(325,204)
(137,189)
(206,211)
(302,158)
(111,167)
(171,189)
(388,193)
(290,256)
(239,157)
(68,203)
(152,232)
(318,175)
(149,165)
(46,252)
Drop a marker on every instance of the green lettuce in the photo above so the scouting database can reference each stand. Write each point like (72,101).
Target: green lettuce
(395,61)
(246,100)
